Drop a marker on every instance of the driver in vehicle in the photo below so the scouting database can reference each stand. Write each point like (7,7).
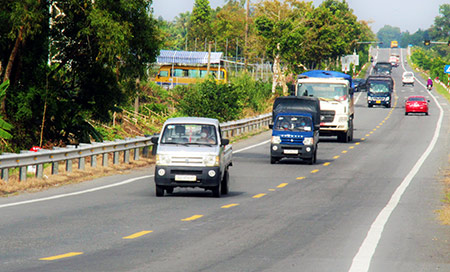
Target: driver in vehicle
(206,136)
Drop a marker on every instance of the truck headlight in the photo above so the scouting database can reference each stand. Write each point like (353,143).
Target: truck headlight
(308,141)
(387,98)
(162,159)
(212,161)
(276,139)
(369,98)
(342,119)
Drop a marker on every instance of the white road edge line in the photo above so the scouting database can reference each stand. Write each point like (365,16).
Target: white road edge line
(361,261)
(102,187)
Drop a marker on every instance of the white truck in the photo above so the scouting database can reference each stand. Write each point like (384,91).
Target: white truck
(192,153)
(335,93)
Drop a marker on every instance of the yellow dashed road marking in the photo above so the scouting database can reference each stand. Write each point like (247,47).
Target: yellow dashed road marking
(345,151)
(363,139)
(371,132)
(272,190)
(326,164)
(192,218)
(336,157)
(259,195)
(351,147)
(282,185)
(230,205)
(62,256)
(300,178)
(367,135)
(137,234)
(357,143)
(315,171)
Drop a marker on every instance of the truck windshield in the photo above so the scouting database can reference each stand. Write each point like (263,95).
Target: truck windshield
(293,123)
(324,91)
(189,134)
(379,87)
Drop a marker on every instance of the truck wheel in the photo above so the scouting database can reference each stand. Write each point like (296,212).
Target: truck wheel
(313,159)
(159,190)
(169,190)
(369,105)
(388,105)
(216,191)
(343,137)
(226,178)
(350,132)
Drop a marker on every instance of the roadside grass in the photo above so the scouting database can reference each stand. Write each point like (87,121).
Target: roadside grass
(444,212)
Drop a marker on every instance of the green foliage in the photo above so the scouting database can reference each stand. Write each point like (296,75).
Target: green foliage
(210,99)
(200,23)
(253,94)
(432,62)
(5,127)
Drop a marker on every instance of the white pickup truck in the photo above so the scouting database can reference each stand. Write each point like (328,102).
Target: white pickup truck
(192,153)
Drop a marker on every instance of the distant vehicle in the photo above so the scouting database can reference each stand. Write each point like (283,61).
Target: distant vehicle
(416,104)
(295,129)
(379,91)
(192,153)
(382,68)
(408,78)
(359,84)
(171,75)
(394,60)
(394,44)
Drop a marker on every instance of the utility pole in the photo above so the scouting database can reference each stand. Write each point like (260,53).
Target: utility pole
(209,58)
(246,35)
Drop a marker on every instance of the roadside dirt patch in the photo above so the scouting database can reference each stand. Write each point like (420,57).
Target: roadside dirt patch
(444,213)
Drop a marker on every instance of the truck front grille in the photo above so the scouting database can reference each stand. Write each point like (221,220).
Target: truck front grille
(327,116)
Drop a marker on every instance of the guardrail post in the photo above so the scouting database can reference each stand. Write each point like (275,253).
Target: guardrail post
(115,157)
(126,156)
(145,151)
(39,171)
(5,174)
(23,173)
(94,161)
(69,165)
(136,154)
(82,163)
(105,159)
(55,168)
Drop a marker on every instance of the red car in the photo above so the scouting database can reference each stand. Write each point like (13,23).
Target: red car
(416,103)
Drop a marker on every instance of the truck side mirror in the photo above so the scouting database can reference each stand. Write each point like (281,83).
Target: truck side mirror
(351,91)
(270,126)
(154,140)
(225,142)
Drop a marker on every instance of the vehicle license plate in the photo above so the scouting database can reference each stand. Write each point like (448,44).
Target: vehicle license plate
(378,102)
(185,177)
(290,151)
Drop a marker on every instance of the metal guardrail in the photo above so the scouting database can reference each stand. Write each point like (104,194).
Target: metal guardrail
(25,159)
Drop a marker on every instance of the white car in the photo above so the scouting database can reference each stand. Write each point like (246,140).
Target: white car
(408,78)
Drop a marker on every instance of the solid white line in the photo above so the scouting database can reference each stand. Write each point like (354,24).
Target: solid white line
(252,146)
(356,101)
(101,187)
(361,261)
(75,193)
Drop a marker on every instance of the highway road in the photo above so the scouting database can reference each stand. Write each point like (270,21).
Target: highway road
(368,205)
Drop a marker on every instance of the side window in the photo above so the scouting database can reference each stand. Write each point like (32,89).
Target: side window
(164,73)
(194,73)
(180,73)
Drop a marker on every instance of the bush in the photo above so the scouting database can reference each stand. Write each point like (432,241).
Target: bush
(209,99)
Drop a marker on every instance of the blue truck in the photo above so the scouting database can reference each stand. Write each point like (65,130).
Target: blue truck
(379,91)
(295,128)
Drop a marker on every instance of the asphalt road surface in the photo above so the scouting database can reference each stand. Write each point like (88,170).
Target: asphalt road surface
(368,205)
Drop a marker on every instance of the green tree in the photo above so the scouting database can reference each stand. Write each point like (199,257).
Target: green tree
(199,25)
(441,27)
(5,127)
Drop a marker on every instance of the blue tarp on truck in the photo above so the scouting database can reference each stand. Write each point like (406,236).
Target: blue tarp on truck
(327,74)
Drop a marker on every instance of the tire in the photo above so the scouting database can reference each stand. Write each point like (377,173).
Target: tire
(342,137)
(313,159)
(216,191)
(369,105)
(159,190)
(426,113)
(225,180)
(388,105)
(169,190)
(350,136)
(406,113)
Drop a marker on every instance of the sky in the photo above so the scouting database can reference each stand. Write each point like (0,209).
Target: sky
(409,15)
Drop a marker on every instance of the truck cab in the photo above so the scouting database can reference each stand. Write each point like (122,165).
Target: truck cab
(335,92)
(192,153)
(295,129)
